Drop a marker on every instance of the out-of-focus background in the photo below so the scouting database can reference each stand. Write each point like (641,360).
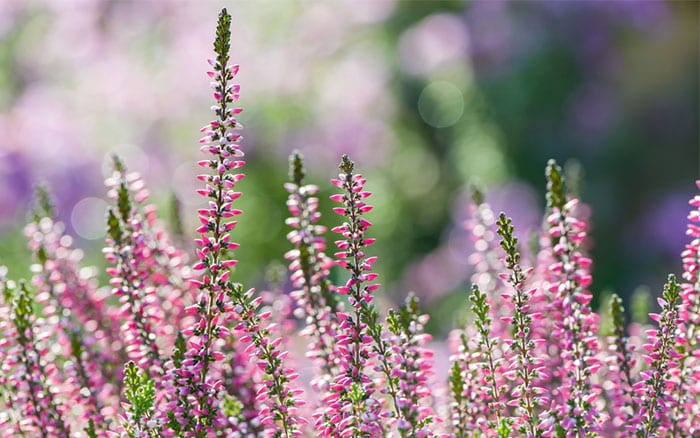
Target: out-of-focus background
(426,97)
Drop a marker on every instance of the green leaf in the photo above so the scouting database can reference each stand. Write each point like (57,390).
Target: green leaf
(114,228)
(140,390)
(90,429)
(556,196)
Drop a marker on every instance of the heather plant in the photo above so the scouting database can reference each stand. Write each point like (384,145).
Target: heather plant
(169,350)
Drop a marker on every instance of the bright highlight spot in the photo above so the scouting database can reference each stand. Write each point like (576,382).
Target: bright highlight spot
(441,104)
(88,218)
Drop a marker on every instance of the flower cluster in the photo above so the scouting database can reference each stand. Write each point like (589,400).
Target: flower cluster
(352,405)
(310,269)
(412,368)
(575,400)
(180,352)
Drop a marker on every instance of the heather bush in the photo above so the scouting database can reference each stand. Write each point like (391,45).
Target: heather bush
(175,347)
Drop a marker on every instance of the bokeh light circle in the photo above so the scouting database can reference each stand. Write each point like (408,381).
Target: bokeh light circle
(441,104)
(88,218)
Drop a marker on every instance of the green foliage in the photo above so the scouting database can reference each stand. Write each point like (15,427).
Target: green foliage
(556,193)
(114,228)
(357,393)
(672,292)
(22,311)
(296,168)
(90,429)
(400,320)
(481,308)
(124,201)
(43,206)
(179,350)
(140,390)
(232,407)
(222,42)
(509,242)
(175,208)
(504,429)
(118,164)
(617,312)
(347,165)
(477,193)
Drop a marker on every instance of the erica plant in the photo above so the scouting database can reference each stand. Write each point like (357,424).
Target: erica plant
(164,349)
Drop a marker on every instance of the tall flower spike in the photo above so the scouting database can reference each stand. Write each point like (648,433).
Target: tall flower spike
(30,373)
(623,405)
(161,267)
(575,407)
(140,391)
(353,409)
(495,388)
(412,368)
(219,301)
(68,297)
(526,368)
(309,265)
(468,409)
(125,250)
(486,260)
(686,410)
(655,389)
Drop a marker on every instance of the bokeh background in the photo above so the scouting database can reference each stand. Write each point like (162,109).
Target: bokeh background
(426,97)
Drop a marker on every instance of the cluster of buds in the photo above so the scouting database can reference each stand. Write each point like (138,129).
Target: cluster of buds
(574,404)
(30,376)
(197,391)
(653,393)
(621,363)
(523,366)
(351,406)
(310,267)
(412,367)
(128,253)
(686,410)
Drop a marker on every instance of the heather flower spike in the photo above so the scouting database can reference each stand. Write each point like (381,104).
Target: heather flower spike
(165,350)
(655,390)
(495,389)
(623,403)
(575,406)
(524,365)
(140,391)
(309,267)
(412,368)
(686,393)
(42,414)
(458,389)
(354,410)
(126,251)
(556,196)
(66,296)
(219,301)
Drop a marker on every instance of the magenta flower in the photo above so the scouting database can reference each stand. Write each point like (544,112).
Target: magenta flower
(128,252)
(220,302)
(469,408)
(486,261)
(412,367)
(524,367)
(493,388)
(686,410)
(30,375)
(68,297)
(352,408)
(623,406)
(654,390)
(309,267)
(574,403)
